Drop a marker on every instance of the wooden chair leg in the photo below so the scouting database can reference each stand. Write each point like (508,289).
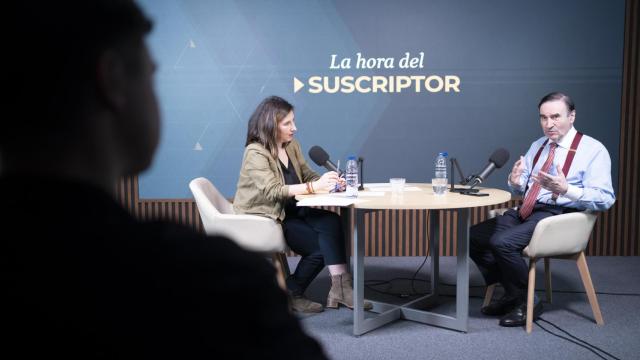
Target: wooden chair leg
(285,263)
(588,286)
(488,295)
(547,279)
(282,269)
(531,287)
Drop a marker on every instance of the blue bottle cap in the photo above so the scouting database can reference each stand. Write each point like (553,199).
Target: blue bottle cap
(351,157)
(444,153)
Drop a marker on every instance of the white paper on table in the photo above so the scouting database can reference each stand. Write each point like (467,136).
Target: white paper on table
(412,188)
(389,189)
(375,185)
(327,200)
(370,193)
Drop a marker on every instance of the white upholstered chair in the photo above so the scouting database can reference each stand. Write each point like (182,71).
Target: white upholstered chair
(562,236)
(251,232)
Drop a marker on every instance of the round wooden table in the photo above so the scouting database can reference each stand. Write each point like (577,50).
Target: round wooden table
(414,197)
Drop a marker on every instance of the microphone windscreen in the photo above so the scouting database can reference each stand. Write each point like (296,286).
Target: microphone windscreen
(318,155)
(499,157)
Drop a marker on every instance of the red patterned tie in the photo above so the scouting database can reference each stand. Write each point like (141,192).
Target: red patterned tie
(532,194)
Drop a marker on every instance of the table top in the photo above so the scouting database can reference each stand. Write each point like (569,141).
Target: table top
(416,196)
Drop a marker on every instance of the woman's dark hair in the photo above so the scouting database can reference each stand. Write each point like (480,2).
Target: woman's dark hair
(558,96)
(263,124)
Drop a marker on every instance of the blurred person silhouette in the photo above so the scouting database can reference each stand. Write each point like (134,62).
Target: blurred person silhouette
(82,277)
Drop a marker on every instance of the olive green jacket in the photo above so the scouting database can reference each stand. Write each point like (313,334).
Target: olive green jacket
(261,189)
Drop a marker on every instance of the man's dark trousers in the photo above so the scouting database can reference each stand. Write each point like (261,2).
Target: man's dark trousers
(497,244)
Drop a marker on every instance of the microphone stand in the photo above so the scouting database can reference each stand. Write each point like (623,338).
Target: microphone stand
(360,165)
(464,181)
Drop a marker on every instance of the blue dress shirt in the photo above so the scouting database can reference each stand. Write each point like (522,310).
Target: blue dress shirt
(589,177)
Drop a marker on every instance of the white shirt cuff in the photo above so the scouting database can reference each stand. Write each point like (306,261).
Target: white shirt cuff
(515,187)
(573,192)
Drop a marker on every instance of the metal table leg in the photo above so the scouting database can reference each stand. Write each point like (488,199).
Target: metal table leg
(414,310)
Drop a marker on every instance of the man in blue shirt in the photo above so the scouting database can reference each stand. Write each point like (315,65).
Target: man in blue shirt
(563,171)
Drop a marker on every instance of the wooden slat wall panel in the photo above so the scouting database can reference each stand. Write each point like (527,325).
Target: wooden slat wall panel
(625,218)
(402,233)
(386,233)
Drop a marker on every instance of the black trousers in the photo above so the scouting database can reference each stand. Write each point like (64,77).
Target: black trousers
(317,236)
(497,244)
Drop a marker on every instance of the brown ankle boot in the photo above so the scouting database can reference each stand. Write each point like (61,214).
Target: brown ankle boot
(342,292)
(303,305)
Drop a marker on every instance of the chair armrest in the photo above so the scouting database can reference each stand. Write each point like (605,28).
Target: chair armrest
(251,232)
(564,234)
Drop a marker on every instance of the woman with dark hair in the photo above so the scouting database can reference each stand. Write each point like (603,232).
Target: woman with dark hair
(273,172)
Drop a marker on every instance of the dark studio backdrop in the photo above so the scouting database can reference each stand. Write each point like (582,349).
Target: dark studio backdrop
(219,59)
(470,84)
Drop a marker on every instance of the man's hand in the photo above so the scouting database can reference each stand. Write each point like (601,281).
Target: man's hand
(556,184)
(516,172)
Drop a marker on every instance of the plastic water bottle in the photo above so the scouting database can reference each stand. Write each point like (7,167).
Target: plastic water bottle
(439,183)
(351,176)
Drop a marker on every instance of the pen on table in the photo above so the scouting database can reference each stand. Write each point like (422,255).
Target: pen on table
(337,187)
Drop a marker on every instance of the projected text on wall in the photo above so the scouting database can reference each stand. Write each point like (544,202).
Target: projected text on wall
(346,84)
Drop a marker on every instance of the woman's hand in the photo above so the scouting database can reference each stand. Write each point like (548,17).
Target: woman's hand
(342,184)
(327,182)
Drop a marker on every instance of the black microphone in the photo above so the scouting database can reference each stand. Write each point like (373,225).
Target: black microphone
(496,161)
(321,158)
